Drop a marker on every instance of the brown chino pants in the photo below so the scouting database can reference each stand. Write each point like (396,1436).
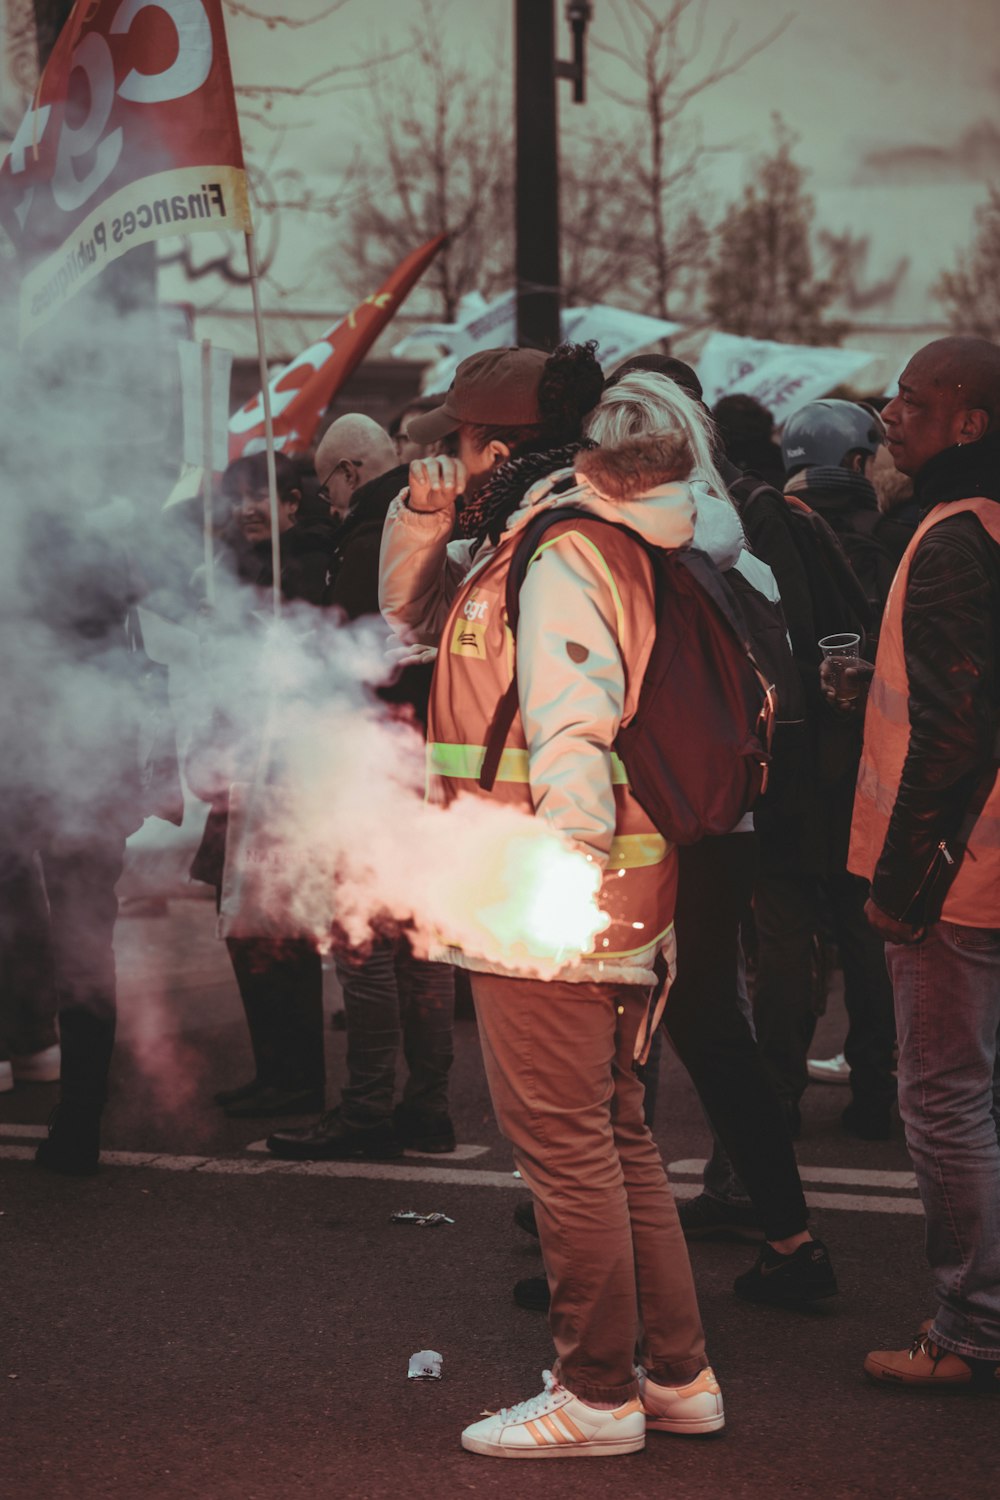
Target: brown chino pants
(558,1060)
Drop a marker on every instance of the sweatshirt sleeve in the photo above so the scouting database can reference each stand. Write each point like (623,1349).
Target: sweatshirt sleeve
(420,570)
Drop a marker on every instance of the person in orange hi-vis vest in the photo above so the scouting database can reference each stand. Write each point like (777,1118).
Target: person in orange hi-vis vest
(926,833)
(559,1052)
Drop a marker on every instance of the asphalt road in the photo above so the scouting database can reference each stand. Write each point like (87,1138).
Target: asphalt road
(199,1321)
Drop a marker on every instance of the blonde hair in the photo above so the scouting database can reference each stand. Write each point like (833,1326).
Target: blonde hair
(643,403)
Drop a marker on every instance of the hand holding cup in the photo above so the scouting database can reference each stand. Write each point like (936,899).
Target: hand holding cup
(842,673)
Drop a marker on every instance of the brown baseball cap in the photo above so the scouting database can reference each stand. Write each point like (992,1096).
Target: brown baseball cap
(498,387)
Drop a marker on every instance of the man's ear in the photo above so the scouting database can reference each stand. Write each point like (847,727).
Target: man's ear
(499,452)
(974,425)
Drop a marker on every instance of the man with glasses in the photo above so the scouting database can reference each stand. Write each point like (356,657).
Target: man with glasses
(353,451)
(391,1000)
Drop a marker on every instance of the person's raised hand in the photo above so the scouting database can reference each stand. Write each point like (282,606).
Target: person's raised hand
(435,483)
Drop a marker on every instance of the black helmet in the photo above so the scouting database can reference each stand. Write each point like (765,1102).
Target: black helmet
(825,432)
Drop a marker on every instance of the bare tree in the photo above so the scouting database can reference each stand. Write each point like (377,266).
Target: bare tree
(278,193)
(971,292)
(440,161)
(662,46)
(762,282)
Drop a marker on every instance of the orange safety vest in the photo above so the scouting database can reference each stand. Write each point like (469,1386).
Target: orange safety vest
(475,665)
(973,899)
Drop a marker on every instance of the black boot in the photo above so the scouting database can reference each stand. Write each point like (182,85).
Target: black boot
(74,1141)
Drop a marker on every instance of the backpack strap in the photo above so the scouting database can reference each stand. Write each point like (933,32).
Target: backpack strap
(744,491)
(524,551)
(696,562)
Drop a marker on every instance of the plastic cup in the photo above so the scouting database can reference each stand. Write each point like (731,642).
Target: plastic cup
(842,650)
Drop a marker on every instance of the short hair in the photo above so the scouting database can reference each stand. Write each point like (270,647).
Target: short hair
(660,364)
(250,473)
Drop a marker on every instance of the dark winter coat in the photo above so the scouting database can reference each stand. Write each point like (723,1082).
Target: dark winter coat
(306,563)
(804,823)
(847,502)
(354,577)
(951,642)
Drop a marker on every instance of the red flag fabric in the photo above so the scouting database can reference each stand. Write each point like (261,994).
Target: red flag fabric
(132,135)
(305,388)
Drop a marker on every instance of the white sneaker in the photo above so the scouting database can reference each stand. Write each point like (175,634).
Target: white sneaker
(557,1424)
(692,1408)
(6,1077)
(38,1067)
(829,1069)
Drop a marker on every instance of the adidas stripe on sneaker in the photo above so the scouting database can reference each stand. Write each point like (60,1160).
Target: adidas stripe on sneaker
(557,1424)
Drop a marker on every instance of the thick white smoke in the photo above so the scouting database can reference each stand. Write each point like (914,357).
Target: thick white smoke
(337,829)
(341,838)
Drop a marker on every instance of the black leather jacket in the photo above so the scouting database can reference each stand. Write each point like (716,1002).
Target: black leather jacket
(951,641)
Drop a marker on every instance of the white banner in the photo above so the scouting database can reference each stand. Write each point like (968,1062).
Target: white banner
(781,377)
(195,399)
(493,325)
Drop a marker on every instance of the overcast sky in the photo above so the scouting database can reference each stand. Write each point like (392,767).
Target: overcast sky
(847,74)
(894,103)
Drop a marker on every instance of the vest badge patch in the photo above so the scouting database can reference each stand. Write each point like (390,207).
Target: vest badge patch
(468,636)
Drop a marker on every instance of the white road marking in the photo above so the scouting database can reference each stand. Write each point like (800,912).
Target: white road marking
(460,1153)
(843,1176)
(864,1203)
(442,1176)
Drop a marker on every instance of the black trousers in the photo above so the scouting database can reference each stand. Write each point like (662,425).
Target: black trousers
(69,950)
(281,986)
(712,1037)
(788,910)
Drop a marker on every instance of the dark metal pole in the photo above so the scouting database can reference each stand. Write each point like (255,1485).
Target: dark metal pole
(537,206)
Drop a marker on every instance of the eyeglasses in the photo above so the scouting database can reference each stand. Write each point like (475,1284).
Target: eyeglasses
(344,463)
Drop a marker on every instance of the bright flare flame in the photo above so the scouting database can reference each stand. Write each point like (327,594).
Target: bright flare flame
(530,902)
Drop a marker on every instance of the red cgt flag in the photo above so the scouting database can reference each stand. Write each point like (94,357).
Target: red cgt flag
(303,391)
(132,134)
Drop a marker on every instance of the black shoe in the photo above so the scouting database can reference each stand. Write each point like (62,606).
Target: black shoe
(271,1100)
(524,1217)
(237,1095)
(789,1280)
(705,1218)
(73,1146)
(331,1139)
(419,1131)
(532,1293)
(867,1122)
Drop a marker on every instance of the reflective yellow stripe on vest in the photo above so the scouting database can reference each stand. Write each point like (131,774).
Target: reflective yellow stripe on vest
(465,763)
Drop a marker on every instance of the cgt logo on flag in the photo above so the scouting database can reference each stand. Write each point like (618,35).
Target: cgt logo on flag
(304,389)
(132,135)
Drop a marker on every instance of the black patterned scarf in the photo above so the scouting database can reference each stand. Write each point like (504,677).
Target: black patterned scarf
(486,514)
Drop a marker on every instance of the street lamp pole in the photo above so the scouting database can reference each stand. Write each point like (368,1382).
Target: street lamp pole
(537,162)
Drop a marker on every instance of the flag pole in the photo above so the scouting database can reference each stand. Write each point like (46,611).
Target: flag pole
(265,393)
(206,470)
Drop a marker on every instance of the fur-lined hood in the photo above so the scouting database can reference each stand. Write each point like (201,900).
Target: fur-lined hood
(640,483)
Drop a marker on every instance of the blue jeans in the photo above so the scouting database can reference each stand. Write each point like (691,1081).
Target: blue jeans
(947,991)
(390,997)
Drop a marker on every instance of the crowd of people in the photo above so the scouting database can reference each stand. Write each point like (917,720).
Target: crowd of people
(876,840)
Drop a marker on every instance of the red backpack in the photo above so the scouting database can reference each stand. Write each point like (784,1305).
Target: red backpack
(698,748)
